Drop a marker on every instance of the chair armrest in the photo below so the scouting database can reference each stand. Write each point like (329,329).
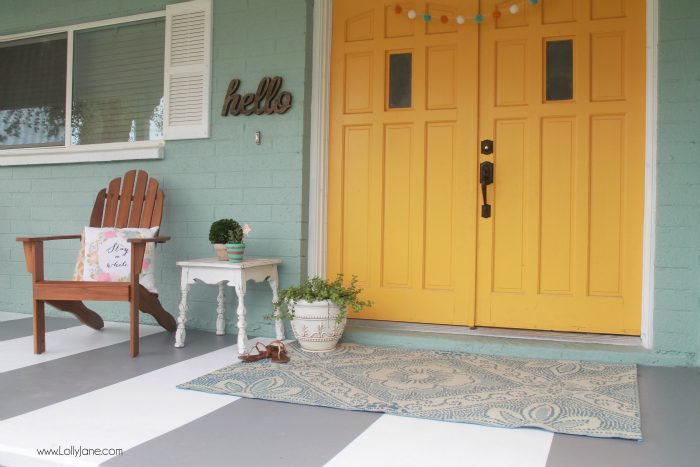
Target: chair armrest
(148,240)
(137,253)
(46,239)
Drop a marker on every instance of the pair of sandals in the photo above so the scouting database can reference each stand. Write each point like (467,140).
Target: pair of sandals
(275,351)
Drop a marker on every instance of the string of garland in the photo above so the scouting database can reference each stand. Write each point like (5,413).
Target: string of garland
(513,9)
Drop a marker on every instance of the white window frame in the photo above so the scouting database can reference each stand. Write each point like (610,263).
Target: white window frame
(68,153)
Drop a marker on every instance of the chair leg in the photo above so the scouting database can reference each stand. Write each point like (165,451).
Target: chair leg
(39,327)
(134,327)
(150,304)
(84,314)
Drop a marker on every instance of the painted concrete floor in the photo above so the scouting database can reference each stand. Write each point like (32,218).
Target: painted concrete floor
(86,392)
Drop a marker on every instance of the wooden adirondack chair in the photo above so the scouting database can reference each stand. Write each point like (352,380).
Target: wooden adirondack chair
(134,202)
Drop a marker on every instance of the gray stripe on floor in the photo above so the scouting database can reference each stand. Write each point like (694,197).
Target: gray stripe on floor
(23,327)
(670,403)
(43,384)
(255,433)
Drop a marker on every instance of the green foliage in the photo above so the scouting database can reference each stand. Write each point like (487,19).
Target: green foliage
(316,289)
(226,231)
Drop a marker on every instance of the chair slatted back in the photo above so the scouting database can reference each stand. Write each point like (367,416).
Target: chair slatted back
(129,201)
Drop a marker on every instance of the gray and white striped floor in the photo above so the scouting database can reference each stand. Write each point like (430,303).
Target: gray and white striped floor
(86,392)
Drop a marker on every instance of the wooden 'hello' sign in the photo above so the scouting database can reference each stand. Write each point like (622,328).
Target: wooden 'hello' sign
(265,101)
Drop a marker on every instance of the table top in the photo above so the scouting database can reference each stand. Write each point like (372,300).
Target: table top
(216,263)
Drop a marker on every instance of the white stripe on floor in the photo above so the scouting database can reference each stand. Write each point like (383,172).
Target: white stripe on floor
(403,442)
(65,342)
(7,316)
(119,416)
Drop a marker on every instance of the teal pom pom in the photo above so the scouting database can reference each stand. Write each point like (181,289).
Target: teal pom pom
(534,2)
(478,18)
(427,17)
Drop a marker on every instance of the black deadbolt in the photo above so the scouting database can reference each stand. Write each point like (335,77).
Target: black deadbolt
(487,147)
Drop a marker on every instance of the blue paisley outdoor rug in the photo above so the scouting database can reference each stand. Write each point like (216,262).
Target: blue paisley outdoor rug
(580,398)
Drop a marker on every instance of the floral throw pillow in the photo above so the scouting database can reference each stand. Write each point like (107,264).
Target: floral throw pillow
(80,261)
(107,256)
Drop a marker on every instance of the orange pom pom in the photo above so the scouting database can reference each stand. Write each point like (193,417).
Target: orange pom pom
(398,9)
(496,14)
(443,19)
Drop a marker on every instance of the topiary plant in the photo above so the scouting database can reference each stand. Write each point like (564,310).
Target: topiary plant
(316,289)
(225,231)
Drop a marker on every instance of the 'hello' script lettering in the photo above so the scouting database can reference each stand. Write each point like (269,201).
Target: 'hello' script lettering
(265,101)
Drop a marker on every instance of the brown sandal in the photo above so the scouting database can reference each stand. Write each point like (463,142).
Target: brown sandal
(278,352)
(263,352)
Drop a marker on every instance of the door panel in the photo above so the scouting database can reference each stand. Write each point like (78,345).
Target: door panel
(402,172)
(563,248)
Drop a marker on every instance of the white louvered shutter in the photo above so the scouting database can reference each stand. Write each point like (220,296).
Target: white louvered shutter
(187,69)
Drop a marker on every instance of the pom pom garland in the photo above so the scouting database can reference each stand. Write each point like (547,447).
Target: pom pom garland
(478,18)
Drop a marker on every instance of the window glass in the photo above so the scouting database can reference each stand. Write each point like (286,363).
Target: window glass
(560,70)
(118,83)
(33,92)
(400,66)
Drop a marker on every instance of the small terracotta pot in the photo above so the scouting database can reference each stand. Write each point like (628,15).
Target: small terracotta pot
(220,250)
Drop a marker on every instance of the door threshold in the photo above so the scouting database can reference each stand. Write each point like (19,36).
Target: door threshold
(557,336)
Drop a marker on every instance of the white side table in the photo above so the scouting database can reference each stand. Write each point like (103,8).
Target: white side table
(236,275)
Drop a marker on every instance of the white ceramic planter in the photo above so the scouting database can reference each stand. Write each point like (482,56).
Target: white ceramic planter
(315,326)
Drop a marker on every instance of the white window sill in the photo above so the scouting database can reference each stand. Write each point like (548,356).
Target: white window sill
(89,153)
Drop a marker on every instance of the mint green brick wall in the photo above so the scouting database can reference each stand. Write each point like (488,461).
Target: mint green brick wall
(226,175)
(677,272)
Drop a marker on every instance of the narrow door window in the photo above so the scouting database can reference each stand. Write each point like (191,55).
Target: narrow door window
(400,70)
(559,73)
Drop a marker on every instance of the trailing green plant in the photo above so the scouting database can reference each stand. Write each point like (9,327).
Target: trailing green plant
(226,231)
(315,289)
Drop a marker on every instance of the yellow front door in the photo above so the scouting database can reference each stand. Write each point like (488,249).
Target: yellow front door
(562,96)
(559,89)
(401,203)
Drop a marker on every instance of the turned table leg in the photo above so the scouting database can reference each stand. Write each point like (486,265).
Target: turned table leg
(182,318)
(221,311)
(242,324)
(279,324)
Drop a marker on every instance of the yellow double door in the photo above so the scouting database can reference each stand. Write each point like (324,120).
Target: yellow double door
(557,91)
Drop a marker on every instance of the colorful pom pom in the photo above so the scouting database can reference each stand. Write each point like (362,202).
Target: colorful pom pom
(398,9)
(411,14)
(427,17)
(496,14)
(459,19)
(478,18)
(444,19)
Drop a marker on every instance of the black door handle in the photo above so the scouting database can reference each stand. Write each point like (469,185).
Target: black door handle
(486,179)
